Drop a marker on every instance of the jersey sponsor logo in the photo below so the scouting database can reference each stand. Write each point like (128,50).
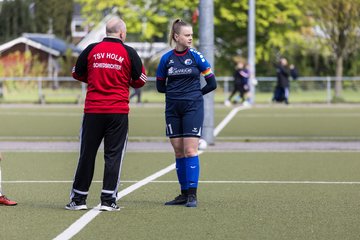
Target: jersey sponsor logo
(188,61)
(179,71)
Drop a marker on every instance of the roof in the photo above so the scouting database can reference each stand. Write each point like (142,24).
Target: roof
(45,42)
(95,35)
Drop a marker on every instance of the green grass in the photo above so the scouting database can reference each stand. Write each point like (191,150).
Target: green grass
(63,122)
(270,123)
(31,95)
(67,95)
(311,96)
(226,210)
(295,123)
(43,122)
(237,209)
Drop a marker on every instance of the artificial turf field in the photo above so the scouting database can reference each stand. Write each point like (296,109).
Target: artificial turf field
(268,123)
(243,195)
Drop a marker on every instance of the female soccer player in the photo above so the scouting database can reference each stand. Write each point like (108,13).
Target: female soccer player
(178,76)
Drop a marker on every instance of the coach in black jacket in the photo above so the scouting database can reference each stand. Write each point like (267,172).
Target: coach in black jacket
(281,92)
(109,68)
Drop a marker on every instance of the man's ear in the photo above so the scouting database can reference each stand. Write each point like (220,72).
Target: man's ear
(122,35)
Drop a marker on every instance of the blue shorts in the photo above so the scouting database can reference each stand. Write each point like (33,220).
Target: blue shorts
(184,118)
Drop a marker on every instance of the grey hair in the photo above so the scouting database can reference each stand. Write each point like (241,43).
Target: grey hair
(115,25)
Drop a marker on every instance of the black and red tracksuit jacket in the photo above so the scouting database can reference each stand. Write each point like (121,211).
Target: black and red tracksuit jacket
(109,68)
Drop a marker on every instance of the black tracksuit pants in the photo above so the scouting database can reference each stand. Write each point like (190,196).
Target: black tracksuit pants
(113,129)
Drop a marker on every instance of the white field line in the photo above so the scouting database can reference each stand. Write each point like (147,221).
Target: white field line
(145,181)
(278,138)
(90,215)
(254,115)
(269,182)
(78,225)
(217,151)
(284,182)
(298,115)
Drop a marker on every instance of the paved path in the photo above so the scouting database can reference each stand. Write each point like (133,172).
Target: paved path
(16,146)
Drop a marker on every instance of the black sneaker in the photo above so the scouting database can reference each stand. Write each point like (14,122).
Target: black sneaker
(76,205)
(179,200)
(109,206)
(191,201)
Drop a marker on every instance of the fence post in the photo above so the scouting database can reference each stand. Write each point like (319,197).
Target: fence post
(328,88)
(83,91)
(226,89)
(1,89)
(41,96)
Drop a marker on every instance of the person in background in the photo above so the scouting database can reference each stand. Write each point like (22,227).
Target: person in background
(241,85)
(3,199)
(281,92)
(178,76)
(109,68)
(137,93)
(293,72)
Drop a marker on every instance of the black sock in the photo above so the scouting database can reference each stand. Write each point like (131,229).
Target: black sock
(184,192)
(192,191)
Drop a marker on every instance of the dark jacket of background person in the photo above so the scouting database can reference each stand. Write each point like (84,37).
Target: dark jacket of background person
(241,76)
(282,74)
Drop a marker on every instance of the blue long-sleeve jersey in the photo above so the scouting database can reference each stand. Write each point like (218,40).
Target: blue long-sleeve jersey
(178,74)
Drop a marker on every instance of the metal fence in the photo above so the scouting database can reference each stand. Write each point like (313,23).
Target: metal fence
(323,86)
(43,87)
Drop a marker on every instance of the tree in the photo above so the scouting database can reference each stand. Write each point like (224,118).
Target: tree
(15,19)
(55,16)
(148,18)
(278,27)
(339,22)
(278,22)
(19,16)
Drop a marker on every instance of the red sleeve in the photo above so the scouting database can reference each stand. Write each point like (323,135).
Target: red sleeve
(138,74)
(138,83)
